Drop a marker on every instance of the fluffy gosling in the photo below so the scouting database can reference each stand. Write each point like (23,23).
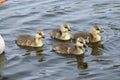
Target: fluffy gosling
(31,41)
(68,48)
(89,37)
(62,33)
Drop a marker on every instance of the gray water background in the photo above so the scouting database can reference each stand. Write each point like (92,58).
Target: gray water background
(100,62)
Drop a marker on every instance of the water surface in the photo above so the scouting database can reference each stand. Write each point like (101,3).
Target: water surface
(100,62)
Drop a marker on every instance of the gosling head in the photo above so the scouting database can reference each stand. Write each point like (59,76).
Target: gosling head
(64,27)
(39,34)
(80,42)
(96,29)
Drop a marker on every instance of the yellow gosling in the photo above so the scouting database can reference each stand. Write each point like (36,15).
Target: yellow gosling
(31,41)
(89,37)
(62,33)
(68,48)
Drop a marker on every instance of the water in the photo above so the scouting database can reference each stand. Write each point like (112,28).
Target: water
(100,62)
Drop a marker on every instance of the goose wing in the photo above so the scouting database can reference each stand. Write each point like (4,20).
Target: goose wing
(56,33)
(25,40)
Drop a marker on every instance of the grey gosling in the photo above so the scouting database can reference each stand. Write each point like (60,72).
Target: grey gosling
(62,33)
(31,41)
(89,37)
(68,48)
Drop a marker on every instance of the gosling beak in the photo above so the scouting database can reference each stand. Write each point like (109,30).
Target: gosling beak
(101,31)
(43,36)
(69,30)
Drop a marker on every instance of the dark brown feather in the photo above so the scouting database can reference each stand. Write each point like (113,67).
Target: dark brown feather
(85,35)
(56,33)
(24,40)
(63,47)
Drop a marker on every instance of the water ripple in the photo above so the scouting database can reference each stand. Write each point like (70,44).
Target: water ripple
(101,61)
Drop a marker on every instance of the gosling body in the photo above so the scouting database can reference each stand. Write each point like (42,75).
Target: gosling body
(62,33)
(30,40)
(89,37)
(2,45)
(69,48)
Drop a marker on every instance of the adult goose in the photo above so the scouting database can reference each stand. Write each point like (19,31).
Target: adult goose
(2,45)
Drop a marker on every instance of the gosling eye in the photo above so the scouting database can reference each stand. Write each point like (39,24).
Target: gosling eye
(98,29)
(81,42)
(40,33)
(66,27)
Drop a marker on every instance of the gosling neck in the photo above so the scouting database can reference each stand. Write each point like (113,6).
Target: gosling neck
(38,41)
(80,49)
(94,34)
(65,33)
(77,46)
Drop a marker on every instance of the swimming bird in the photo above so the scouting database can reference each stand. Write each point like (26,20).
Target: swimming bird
(2,45)
(30,40)
(62,33)
(89,37)
(69,48)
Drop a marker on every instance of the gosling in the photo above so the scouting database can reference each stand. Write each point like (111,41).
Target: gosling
(31,41)
(89,37)
(2,45)
(68,48)
(62,33)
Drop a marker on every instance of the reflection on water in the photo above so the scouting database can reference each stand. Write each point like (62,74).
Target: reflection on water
(38,50)
(41,59)
(102,62)
(2,60)
(4,78)
(80,62)
(96,48)
(116,66)
(27,53)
